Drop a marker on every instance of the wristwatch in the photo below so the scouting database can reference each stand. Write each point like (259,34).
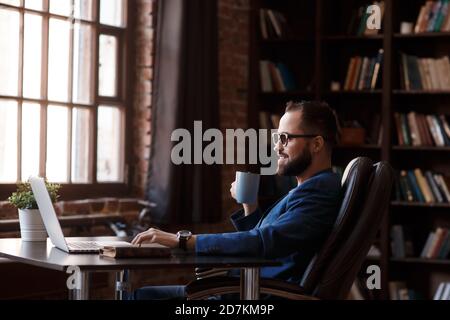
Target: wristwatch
(183,237)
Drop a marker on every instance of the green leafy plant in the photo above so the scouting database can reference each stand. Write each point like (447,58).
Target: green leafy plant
(23,198)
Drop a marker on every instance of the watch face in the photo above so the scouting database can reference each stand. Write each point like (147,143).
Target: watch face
(184,233)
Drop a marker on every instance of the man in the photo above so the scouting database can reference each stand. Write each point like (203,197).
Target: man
(294,229)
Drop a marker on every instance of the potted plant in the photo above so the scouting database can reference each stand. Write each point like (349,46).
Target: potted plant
(31,225)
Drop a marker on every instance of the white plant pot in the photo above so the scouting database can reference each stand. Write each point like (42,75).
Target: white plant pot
(32,227)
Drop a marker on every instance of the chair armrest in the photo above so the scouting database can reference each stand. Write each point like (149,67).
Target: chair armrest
(204,288)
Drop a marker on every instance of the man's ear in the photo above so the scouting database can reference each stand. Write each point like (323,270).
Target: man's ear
(318,144)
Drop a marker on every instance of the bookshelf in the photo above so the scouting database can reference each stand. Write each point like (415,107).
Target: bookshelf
(317,47)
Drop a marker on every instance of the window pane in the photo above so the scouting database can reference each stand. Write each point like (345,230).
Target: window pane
(82,63)
(57,143)
(8,141)
(80,145)
(83,9)
(109,144)
(61,7)
(11,2)
(58,61)
(113,12)
(108,66)
(31,115)
(34,4)
(9,52)
(32,56)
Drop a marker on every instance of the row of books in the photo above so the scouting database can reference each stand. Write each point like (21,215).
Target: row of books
(437,245)
(415,186)
(358,20)
(276,77)
(415,129)
(433,17)
(424,73)
(273,24)
(442,292)
(364,72)
(399,291)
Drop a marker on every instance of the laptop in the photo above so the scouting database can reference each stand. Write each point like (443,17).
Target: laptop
(53,227)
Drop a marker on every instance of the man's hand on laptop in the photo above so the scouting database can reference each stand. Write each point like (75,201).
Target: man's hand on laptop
(167,239)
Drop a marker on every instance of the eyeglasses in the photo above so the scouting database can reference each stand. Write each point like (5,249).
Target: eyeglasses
(284,137)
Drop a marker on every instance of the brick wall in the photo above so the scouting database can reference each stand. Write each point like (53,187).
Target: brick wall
(233,73)
(142,93)
(233,80)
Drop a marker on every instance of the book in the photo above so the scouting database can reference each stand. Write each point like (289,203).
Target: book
(427,245)
(263,26)
(424,187)
(434,187)
(435,246)
(442,186)
(413,182)
(446,293)
(415,136)
(445,248)
(266,82)
(398,241)
(439,291)
(133,251)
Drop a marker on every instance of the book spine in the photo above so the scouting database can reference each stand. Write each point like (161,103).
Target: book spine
(406,190)
(418,194)
(427,245)
(376,69)
(398,126)
(415,137)
(435,243)
(434,188)
(405,129)
(434,132)
(424,186)
(443,186)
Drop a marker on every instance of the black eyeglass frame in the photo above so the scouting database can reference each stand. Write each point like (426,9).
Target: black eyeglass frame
(289,136)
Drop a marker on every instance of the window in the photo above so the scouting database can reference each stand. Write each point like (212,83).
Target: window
(62,97)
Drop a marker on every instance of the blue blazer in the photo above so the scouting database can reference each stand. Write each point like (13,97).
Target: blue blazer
(291,231)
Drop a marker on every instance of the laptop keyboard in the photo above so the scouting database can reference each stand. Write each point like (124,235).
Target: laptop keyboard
(84,245)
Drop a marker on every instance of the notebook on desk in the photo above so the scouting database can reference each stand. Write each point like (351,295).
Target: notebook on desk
(152,250)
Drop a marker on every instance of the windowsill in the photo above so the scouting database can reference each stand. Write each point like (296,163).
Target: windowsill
(79,191)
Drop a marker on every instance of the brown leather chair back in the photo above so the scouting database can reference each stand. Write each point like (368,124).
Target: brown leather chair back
(355,184)
(351,251)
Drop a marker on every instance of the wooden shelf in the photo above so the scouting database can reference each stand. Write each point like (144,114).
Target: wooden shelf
(286,40)
(420,92)
(419,204)
(352,38)
(362,146)
(427,35)
(287,93)
(421,148)
(420,261)
(353,92)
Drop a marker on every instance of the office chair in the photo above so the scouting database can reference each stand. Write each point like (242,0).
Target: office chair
(330,274)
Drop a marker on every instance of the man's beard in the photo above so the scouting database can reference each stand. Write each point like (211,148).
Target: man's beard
(298,165)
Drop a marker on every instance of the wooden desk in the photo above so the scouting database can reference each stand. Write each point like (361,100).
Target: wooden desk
(45,255)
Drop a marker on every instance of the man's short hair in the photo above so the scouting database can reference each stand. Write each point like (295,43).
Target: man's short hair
(317,118)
